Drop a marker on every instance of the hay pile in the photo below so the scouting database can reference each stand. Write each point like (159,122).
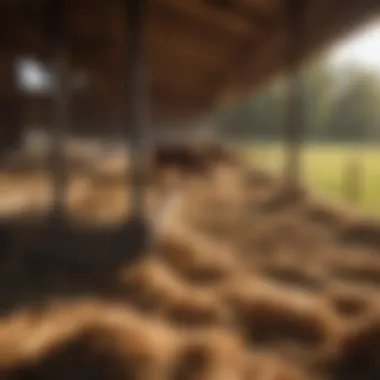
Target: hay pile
(245,281)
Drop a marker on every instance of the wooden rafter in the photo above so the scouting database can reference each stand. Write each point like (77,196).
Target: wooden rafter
(201,53)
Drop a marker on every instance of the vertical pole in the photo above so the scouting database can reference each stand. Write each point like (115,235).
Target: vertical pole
(137,108)
(58,109)
(352,181)
(295,120)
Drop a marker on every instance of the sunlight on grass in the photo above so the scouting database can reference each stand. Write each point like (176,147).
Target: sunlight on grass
(325,169)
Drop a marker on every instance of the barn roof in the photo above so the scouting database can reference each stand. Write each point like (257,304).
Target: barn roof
(200,53)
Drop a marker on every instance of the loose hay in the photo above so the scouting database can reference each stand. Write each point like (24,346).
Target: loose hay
(270,314)
(357,355)
(196,258)
(272,294)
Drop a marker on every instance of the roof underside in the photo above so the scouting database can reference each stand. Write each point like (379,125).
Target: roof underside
(200,53)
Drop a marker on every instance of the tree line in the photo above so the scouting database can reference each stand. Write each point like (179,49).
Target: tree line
(337,105)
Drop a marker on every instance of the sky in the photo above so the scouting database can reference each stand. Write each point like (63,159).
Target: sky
(361,49)
(32,76)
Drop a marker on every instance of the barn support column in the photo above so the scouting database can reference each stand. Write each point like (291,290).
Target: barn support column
(137,231)
(295,122)
(137,107)
(58,119)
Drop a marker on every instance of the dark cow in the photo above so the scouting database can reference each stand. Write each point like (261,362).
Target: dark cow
(183,157)
(190,159)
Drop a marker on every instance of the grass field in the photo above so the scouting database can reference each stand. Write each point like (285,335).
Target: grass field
(326,169)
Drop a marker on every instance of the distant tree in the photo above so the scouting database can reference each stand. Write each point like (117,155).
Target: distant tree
(355,115)
(320,91)
(341,105)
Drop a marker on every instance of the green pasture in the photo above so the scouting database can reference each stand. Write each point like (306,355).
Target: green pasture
(326,168)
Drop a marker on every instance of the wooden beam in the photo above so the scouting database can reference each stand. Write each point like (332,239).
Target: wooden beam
(166,41)
(325,21)
(208,20)
(248,10)
(167,94)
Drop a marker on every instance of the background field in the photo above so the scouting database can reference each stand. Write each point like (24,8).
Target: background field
(343,172)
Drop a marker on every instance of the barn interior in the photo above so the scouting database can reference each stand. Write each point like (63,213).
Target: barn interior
(180,261)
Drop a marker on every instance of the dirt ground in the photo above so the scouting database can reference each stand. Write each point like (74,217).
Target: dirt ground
(244,280)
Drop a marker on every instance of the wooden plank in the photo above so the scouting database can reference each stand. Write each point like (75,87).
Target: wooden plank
(204,16)
(326,22)
(227,51)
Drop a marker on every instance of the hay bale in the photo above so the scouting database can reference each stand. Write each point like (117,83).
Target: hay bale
(151,286)
(196,308)
(196,258)
(111,344)
(271,315)
(358,271)
(365,233)
(210,355)
(350,302)
(265,366)
(294,275)
(324,215)
(357,354)
(284,198)
(255,178)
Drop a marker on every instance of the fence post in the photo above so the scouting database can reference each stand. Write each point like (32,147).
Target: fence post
(352,177)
